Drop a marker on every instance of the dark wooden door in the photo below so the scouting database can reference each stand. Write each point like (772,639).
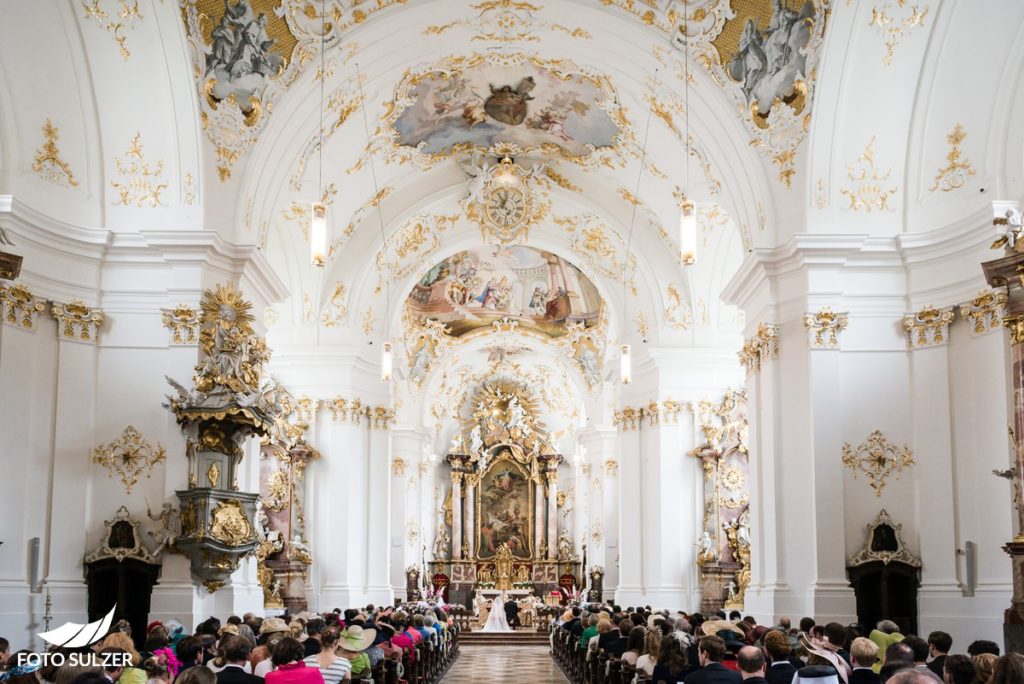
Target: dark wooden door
(886,592)
(129,584)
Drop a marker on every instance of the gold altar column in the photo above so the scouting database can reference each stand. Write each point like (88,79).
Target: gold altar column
(538,519)
(552,510)
(470,518)
(456,515)
(1006,273)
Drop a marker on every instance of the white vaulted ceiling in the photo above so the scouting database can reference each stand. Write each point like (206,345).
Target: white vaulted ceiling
(105,71)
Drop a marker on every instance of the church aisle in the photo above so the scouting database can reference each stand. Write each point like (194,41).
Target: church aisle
(504,664)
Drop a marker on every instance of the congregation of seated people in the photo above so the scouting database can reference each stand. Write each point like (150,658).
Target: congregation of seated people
(596,644)
(413,644)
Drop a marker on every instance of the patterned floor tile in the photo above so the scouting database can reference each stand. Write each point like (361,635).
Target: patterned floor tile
(504,664)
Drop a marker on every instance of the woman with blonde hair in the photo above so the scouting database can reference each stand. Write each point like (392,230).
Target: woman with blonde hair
(652,649)
(120,640)
(985,664)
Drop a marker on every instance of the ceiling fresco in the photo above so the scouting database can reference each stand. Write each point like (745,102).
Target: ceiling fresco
(490,103)
(530,288)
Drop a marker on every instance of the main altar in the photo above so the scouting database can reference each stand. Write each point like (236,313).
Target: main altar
(502,507)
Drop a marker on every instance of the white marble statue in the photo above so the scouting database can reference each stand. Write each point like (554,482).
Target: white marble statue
(476,440)
(705,548)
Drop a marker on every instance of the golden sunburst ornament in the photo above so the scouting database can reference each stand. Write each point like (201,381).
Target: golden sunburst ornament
(225,306)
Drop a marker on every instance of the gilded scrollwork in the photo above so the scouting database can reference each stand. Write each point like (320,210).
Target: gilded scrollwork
(129,456)
(142,183)
(956,172)
(928,327)
(878,459)
(409,248)
(506,21)
(870,188)
(601,247)
(115,21)
(77,321)
(20,307)
(334,310)
(48,163)
(678,315)
(892,19)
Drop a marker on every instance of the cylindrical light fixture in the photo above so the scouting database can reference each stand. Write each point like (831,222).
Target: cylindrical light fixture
(687,232)
(385,363)
(625,364)
(318,234)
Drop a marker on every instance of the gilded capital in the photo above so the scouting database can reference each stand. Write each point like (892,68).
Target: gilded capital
(20,307)
(1015,324)
(183,322)
(823,328)
(929,327)
(763,346)
(76,321)
(985,312)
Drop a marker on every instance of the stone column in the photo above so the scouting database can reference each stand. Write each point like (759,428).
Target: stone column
(456,514)
(538,519)
(553,511)
(932,444)
(470,521)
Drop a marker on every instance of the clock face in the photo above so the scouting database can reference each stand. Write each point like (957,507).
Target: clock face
(506,207)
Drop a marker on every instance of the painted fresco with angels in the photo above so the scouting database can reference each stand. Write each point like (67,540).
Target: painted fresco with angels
(539,291)
(483,100)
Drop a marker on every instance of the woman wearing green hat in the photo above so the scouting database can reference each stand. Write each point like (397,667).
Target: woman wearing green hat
(351,644)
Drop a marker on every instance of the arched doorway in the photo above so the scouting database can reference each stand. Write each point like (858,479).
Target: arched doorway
(122,571)
(885,577)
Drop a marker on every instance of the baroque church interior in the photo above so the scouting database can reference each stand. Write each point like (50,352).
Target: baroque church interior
(424,308)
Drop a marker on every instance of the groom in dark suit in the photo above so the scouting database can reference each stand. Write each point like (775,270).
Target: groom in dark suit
(512,614)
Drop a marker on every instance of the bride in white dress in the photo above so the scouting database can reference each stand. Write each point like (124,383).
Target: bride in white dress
(496,621)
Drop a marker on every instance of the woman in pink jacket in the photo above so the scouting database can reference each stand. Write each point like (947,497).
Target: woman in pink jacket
(287,658)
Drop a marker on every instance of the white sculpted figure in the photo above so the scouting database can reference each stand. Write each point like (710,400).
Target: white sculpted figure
(743,529)
(515,413)
(441,543)
(170,526)
(564,547)
(705,549)
(476,440)
(1014,227)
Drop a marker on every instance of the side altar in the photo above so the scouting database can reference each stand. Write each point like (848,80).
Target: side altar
(502,509)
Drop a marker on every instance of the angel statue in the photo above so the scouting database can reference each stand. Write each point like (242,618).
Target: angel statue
(1010,228)
(170,526)
(731,589)
(705,549)
(300,551)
